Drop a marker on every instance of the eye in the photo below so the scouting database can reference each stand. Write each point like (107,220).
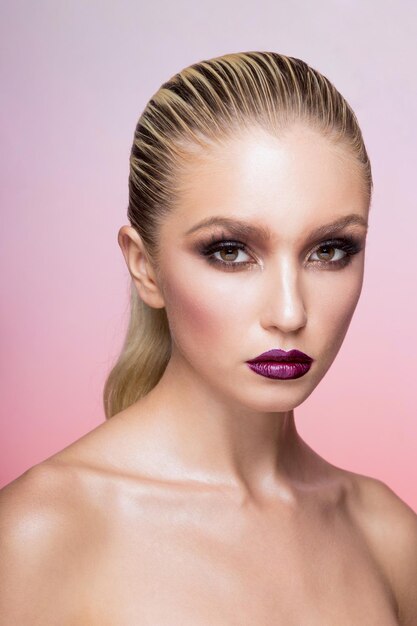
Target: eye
(227,254)
(230,252)
(336,253)
(329,253)
(332,254)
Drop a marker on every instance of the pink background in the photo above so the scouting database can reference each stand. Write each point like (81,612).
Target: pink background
(75,78)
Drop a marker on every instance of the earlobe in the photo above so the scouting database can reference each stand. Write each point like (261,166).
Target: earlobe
(140,267)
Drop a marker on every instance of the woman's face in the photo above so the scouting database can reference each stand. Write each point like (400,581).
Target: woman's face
(279,287)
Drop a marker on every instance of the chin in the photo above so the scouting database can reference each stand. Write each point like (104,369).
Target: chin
(280,397)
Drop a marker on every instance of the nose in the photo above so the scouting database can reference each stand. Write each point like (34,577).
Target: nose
(283,304)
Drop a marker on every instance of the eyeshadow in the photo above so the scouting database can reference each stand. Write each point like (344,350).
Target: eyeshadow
(247,229)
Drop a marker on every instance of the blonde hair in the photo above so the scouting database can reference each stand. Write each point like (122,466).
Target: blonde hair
(205,104)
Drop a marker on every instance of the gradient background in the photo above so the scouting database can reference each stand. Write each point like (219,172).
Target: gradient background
(75,77)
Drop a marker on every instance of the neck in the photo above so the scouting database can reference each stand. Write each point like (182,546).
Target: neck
(202,436)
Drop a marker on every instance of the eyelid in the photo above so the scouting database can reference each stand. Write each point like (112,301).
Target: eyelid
(349,244)
(341,238)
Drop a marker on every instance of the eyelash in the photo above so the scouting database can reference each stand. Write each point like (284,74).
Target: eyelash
(349,245)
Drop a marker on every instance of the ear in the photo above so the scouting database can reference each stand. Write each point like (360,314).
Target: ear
(140,267)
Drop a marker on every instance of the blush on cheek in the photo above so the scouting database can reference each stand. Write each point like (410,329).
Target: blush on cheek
(338,317)
(193,316)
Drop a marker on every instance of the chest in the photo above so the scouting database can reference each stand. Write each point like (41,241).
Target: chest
(177,569)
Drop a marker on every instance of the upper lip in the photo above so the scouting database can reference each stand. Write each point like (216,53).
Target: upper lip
(293,356)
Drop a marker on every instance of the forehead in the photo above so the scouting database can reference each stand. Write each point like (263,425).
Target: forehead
(285,184)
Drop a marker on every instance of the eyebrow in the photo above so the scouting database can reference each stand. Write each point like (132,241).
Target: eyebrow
(240,227)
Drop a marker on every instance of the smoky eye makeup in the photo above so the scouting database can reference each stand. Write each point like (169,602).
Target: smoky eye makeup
(208,246)
(331,253)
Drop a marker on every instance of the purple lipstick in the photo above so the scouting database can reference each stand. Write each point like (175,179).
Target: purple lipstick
(281,364)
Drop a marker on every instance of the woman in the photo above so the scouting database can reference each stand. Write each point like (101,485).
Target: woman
(198,502)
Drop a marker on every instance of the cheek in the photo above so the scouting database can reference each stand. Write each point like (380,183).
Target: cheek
(335,309)
(201,310)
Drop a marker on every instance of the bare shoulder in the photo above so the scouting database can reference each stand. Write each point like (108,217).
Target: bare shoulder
(40,536)
(390,527)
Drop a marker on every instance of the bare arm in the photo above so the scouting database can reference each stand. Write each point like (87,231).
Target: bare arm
(401,552)
(35,559)
(391,528)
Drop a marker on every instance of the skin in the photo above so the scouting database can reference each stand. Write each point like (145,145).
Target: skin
(200,503)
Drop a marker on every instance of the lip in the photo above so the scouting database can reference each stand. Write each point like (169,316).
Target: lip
(281,356)
(279,364)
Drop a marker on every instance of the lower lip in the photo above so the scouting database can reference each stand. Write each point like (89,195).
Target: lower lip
(282,371)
